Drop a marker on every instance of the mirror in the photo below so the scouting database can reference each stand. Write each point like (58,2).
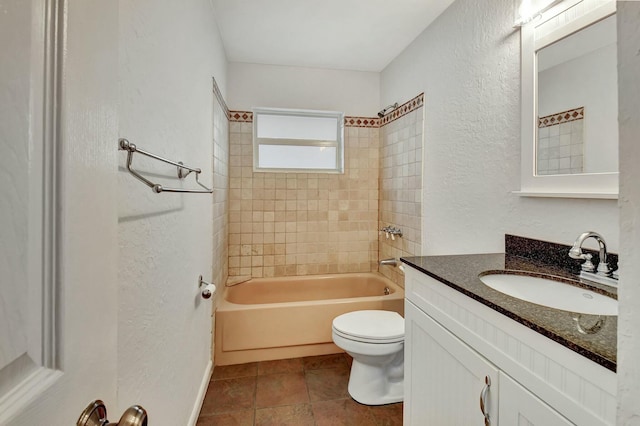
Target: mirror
(569,122)
(578,102)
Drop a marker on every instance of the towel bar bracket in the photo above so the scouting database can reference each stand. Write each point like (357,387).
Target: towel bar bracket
(183,171)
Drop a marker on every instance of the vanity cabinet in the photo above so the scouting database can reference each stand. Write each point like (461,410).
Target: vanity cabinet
(452,342)
(519,407)
(444,378)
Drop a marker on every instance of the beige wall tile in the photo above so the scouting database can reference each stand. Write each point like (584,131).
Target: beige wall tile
(291,213)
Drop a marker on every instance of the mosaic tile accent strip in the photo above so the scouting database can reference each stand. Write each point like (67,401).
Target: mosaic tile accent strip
(241,116)
(403,109)
(218,93)
(361,122)
(561,117)
(349,121)
(370,122)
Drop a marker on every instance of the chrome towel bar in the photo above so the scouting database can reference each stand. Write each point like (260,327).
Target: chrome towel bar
(125,145)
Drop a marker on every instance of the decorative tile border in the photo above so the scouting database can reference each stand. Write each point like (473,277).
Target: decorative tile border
(403,109)
(247,117)
(561,117)
(361,122)
(218,94)
(372,122)
(241,116)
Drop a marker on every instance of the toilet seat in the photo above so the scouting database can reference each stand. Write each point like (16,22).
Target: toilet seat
(373,326)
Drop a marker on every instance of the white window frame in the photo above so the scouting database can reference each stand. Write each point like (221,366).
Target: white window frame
(338,143)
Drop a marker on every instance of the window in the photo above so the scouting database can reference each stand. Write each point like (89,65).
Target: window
(297,140)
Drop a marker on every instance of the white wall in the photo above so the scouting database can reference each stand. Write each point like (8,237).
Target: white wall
(357,93)
(629,291)
(468,64)
(169,52)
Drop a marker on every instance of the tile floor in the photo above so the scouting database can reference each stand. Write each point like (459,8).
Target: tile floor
(300,391)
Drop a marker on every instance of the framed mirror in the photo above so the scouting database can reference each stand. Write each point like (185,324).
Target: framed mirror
(569,102)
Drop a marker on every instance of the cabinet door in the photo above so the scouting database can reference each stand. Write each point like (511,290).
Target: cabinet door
(519,407)
(444,378)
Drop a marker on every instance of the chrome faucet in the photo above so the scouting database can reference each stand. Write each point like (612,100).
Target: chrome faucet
(390,262)
(603,268)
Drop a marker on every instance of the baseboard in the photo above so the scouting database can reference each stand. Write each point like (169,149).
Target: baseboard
(201,394)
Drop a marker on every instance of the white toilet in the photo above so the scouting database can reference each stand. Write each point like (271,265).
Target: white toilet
(375,340)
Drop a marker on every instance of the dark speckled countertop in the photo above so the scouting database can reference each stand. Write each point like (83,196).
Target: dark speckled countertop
(460,272)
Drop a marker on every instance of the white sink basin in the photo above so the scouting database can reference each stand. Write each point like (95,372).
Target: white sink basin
(553,294)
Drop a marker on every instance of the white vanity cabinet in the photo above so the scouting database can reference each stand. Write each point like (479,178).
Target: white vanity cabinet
(519,407)
(444,378)
(452,342)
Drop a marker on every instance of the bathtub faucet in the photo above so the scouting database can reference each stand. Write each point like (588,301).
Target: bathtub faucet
(389,262)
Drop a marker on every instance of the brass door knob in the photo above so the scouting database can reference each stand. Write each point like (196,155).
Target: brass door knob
(96,415)
(134,416)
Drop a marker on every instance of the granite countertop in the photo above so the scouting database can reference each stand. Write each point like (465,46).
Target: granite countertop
(460,272)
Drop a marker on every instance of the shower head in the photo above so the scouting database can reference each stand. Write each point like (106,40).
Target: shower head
(384,111)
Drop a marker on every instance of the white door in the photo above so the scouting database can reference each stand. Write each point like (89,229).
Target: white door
(444,378)
(58,247)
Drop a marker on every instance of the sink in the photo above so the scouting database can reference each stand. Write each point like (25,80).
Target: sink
(553,294)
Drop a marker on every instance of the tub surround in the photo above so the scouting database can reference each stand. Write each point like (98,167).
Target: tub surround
(460,272)
(297,224)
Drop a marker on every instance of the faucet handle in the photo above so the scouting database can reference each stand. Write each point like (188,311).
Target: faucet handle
(604,269)
(588,266)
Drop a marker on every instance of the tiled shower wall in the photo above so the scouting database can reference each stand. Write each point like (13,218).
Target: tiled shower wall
(220,187)
(283,224)
(303,223)
(560,147)
(401,183)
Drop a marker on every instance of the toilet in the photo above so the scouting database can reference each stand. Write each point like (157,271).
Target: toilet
(375,340)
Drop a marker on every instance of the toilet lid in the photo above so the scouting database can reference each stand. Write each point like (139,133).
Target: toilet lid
(370,325)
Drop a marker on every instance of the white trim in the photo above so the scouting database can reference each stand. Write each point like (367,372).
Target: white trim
(27,392)
(589,18)
(339,143)
(588,185)
(592,195)
(202,392)
(42,255)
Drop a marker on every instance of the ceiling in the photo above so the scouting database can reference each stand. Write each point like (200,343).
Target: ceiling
(363,35)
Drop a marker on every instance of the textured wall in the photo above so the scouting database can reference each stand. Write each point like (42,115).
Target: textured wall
(468,65)
(629,291)
(303,223)
(169,52)
(254,85)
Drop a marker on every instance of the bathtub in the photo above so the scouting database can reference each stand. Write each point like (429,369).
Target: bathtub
(277,318)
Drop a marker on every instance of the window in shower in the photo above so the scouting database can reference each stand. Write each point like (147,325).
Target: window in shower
(298,140)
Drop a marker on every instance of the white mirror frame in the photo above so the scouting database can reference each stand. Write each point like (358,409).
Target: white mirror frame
(535,35)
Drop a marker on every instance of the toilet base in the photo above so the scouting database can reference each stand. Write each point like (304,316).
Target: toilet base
(376,384)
